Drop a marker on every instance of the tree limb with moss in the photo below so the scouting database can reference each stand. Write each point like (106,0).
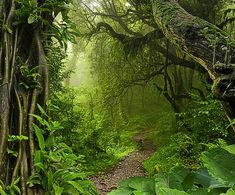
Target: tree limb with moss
(204,42)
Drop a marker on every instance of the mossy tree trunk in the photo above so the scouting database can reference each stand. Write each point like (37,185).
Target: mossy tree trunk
(24,33)
(23,77)
(205,43)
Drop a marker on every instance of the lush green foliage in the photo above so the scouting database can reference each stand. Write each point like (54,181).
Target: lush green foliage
(206,125)
(136,73)
(205,119)
(88,132)
(216,177)
(182,150)
(58,168)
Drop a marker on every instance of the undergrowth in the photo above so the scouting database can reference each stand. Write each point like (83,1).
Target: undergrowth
(89,132)
(180,146)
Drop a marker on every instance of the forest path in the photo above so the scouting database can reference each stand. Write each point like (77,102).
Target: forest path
(130,166)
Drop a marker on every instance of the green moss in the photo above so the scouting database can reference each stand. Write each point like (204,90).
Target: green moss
(166,11)
(211,32)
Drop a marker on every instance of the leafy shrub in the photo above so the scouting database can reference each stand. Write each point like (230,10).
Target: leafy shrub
(11,189)
(206,128)
(57,168)
(183,150)
(206,119)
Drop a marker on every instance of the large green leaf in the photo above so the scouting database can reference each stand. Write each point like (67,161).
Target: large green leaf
(220,163)
(121,191)
(179,178)
(140,184)
(140,193)
(230,148)
(203,178)
(206,191)
(200,191)
(168,191)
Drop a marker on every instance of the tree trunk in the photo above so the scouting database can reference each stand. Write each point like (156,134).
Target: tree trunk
(22,57)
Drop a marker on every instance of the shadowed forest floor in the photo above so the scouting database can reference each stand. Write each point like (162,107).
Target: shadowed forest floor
(130,166)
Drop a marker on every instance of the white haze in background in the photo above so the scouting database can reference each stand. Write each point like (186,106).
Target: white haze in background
(81,75)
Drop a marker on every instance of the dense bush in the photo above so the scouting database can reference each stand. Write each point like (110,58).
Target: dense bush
(57,167)
(183,150)
(206,126)
(206,119)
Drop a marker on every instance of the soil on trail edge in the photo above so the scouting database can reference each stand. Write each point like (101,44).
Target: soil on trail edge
(130,166)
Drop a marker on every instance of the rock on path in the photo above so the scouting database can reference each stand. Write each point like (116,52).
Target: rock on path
(128,167)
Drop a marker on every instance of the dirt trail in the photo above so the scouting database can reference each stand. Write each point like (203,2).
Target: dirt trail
(130,166)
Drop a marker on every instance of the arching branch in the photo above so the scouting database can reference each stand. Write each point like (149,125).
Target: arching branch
(194,35)
(205,43)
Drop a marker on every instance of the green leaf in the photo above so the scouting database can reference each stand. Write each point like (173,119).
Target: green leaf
(17,189)
(13,153)
(121,191)
(40,166)
(229,192)
(230,148)
(69,189)
(40,119)
(58,190)
(198,192)
(60,173)
(16,181)
(140,184)
(40,137)
(72,176)
(2,192)
(76,185)
(50,179)
(220,163)
(168,191)
(203,178)
(12,138)
(50,141)
(32,18)
(179,178)
(140,193)
(34,179)
(42,110)
(38,157)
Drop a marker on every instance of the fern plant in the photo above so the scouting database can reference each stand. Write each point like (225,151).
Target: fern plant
(11,189)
